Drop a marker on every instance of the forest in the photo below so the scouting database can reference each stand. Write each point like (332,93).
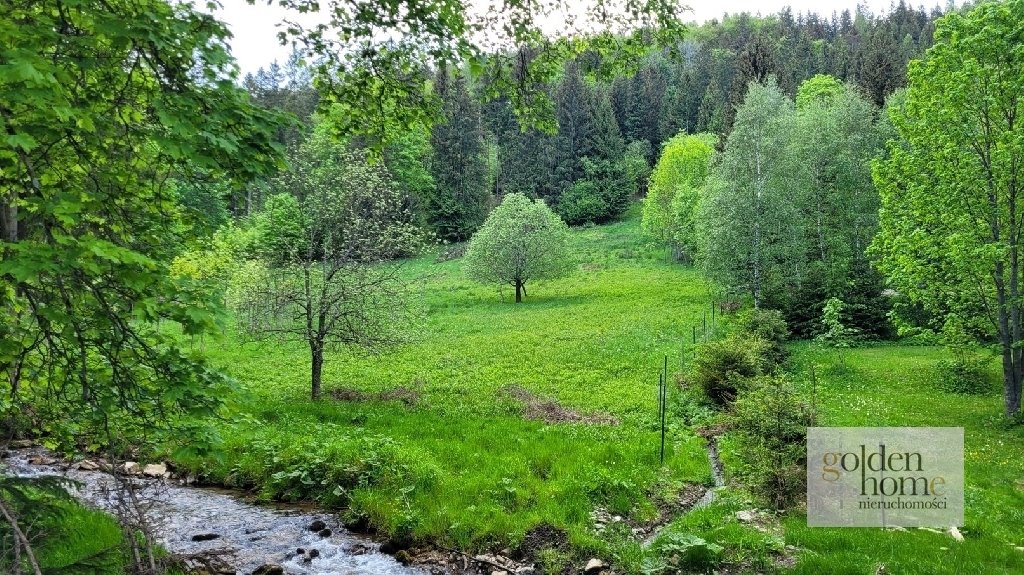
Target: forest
(424,299)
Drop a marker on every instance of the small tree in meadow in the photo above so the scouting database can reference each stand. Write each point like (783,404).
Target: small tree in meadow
(837,334)
(521,240)
(329,273)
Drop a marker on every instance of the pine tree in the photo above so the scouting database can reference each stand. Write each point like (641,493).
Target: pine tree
(458,202)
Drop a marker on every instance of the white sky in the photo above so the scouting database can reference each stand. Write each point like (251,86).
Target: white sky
(255,41)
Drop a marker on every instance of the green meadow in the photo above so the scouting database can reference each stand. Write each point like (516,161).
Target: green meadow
(436,441)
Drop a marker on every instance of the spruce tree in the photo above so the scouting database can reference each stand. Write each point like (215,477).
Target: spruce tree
(457,204)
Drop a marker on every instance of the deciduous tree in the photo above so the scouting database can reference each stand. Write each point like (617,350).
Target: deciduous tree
(952,187)
(675,185)
(341,284)
(521,241)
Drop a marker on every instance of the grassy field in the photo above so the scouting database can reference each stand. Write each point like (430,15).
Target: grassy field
(432,440)
(459,460)
(895,386)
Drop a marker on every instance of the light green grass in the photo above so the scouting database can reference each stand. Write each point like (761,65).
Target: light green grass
(462,465)
(894,386)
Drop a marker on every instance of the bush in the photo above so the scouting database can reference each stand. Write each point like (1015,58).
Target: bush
(582,203)
(601,196)
(722,367)
(771,421)
(965,374)
(683,552)
(768,326)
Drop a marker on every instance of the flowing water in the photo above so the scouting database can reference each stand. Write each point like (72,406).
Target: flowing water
(255,535)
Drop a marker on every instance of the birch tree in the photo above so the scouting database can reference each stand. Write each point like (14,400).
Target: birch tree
(747,221)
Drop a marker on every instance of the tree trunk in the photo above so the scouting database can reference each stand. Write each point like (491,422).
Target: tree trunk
(9,218)
(519,292)
(317,353)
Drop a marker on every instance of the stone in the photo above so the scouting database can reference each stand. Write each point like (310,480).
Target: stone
(746,516)
(205,537)
(313,553)
(269,569)
(317,525)
(403,557)
(21,444)
(154,470)
(41,460)
(955,534)
(324,533)
(594,566)
(392,546)
(359,549)
(300,551)
(130,467)
(88,465)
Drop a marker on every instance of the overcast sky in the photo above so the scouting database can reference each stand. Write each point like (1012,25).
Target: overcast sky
(255,34)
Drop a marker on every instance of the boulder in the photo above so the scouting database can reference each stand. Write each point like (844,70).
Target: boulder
(594,566)
(155,470)
(403,557)
(21,444)
(313,553)
(205,537)
(317,525)
(88,465)
(394,545)
(269,569)
(131,468)
(746,516)
(41,460)
(324,532)
(358,549)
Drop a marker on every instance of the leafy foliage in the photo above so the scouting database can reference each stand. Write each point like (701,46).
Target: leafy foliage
(837,334)
(748,227)
(522,240)
(99,112)
(951,185)
(338,283)
(675,188)
(599,197)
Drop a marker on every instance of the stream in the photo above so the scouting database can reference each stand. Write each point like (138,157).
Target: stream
(250,535)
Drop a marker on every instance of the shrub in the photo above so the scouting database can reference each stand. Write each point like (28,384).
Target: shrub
(965,374)
(582,203)
(768,326)
(601,196)
(721,367)
(771,420)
